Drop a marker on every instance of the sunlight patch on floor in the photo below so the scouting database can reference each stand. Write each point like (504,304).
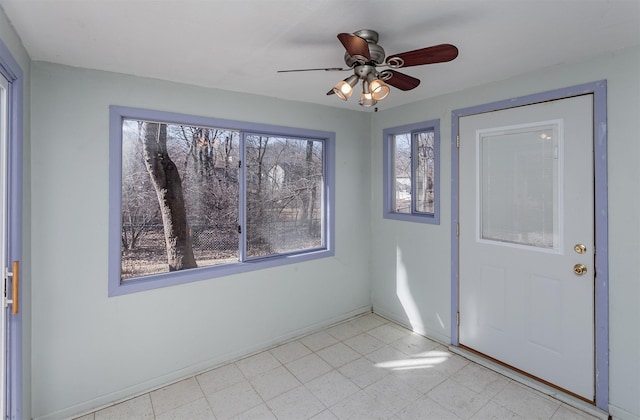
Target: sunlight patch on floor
(421,361)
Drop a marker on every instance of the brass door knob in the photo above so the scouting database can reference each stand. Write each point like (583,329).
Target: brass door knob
(579,269)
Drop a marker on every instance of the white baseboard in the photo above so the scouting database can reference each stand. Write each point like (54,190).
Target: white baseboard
(418,328)
(128,393)
(619,414)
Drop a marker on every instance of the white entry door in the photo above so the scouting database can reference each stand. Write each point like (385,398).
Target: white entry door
(526,240)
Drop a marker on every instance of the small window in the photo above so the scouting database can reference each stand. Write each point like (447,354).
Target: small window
(199,198)
(411,160)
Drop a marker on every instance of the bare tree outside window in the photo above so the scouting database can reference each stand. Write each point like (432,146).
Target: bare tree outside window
(283,205)
(413,172)
(166,180)
(402,172)
(180,197)
(423,153)
(139,211)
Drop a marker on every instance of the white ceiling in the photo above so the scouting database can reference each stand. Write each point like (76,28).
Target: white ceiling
(239,45)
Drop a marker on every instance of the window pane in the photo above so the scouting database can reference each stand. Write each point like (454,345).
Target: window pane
(519,186)
(179,197)
(402,172)
(284,179)
(424,167)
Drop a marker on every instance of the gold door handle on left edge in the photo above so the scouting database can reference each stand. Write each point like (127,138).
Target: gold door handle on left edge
(15,287)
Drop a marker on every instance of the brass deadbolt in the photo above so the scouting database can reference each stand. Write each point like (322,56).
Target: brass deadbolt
(579,269)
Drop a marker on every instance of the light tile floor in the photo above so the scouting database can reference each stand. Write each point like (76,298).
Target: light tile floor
(365,368)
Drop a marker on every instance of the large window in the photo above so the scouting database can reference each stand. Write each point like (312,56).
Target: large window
(411,159)
(195,198)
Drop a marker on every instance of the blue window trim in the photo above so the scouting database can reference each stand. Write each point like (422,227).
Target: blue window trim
(387,184)
(117,287)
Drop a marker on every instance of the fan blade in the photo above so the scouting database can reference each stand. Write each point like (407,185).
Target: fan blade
(355,45)
(325,69)
(401,81)
(436,54)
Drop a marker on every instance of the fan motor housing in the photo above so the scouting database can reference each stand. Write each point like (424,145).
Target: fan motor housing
(368,35)
(376,52)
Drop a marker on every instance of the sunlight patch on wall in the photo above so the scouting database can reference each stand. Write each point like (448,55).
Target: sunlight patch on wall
(403,291)
(440,321)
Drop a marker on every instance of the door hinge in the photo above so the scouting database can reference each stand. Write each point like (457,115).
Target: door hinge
(457,229)
(239,164)
(458,141)
(458,318)
(7,275)
(239,229)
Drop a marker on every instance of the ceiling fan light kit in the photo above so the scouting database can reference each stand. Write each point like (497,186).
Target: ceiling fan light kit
(366,98)
(344,89)
(379,89)
(364,56)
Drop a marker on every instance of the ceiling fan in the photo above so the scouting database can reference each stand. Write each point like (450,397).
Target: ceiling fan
(364,56)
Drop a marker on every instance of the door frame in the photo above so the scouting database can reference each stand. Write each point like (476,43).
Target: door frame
(11,70)
(601,287)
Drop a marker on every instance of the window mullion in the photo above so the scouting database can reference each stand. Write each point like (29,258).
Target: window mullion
(415,160)
(242,200)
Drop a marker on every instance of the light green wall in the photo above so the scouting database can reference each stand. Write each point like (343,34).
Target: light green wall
(89,349)
(411,263)
(14,44)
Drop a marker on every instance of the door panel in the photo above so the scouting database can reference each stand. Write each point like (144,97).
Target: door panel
(526,198)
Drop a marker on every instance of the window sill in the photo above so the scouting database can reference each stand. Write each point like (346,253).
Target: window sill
(431,219)
(156,281)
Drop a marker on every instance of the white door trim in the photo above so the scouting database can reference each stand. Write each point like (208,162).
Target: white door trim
(598,89)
